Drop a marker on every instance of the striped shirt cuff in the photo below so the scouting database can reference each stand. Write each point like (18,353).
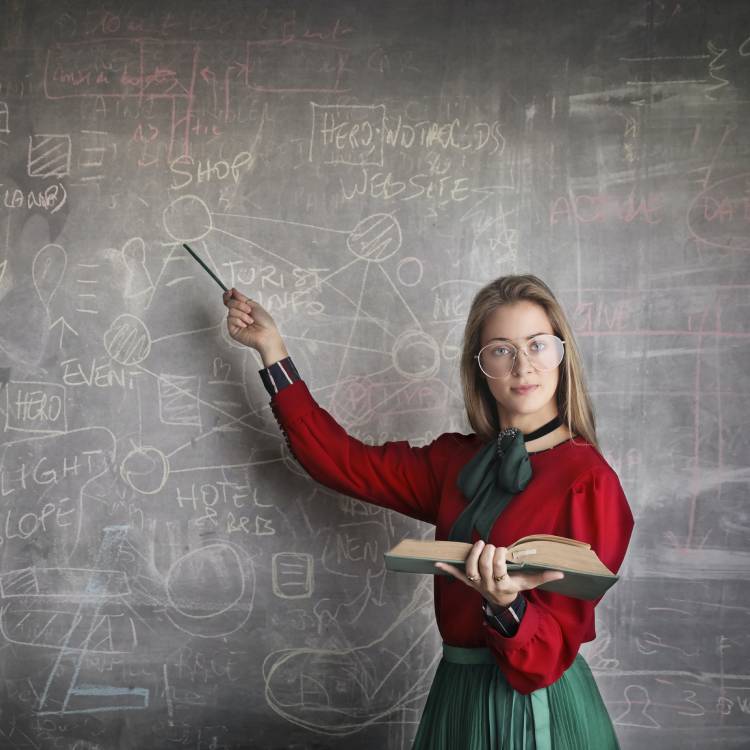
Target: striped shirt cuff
(506,620)
(279,375)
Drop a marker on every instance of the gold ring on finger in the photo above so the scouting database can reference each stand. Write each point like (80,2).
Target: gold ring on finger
(500,578)
(473,579)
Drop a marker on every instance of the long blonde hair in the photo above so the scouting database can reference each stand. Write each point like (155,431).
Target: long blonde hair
(573,402)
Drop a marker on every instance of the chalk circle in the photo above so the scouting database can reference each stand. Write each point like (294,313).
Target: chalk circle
(145,469)
(416,355)
(453,342)
(375,238)
(127,340)
(352,400)
(187,219)
(210,591)
(409,271)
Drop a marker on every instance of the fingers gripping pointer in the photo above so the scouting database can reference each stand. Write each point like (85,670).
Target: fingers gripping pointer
(487,573)
(240,311)
(250,324)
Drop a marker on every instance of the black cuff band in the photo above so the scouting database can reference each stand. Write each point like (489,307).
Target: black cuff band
(508,619)
(279,375)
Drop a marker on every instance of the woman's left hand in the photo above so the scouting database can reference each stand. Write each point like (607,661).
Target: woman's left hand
(487,573)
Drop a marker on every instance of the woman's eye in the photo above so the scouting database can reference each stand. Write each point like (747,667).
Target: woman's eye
(502,351)
(536,345)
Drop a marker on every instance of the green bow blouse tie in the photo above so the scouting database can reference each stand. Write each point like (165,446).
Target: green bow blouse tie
(490,480)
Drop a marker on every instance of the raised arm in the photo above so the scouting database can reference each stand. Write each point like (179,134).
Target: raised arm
(393,475)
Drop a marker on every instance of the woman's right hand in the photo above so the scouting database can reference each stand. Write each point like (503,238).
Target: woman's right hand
(249,324)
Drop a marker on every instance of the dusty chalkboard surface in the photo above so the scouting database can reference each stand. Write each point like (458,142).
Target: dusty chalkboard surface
(169,576)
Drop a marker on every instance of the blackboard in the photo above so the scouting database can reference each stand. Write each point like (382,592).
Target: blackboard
(169,576)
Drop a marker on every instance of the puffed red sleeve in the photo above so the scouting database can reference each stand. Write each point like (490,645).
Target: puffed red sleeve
(393,475)
(554,626)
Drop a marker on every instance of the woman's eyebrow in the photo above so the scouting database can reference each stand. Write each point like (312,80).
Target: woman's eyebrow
(533,335)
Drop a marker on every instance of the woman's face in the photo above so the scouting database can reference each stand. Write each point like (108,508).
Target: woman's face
(525,398)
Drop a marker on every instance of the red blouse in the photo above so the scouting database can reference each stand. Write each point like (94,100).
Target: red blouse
(573,493)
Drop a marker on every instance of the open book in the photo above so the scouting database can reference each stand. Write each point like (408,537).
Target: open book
(586,577)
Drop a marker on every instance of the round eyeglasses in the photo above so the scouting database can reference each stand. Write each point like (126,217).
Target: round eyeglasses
(544,352)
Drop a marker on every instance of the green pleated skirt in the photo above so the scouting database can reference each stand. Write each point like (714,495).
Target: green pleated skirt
(471,706)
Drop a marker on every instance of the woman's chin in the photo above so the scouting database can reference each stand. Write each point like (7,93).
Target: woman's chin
(526,409)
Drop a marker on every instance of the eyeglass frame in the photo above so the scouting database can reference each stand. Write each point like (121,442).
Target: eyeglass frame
(518,349)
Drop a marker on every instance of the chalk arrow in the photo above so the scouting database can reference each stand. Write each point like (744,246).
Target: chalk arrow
(208,75)
(243,70)
(63,326)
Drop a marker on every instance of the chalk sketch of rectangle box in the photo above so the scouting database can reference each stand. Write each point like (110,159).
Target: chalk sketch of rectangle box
(367,119)
(65,583)
(90,699)
(283,67)
(68,626)
(122,699)
(117,68)
(178,400)
(52,402)
(49,155)
(292,575)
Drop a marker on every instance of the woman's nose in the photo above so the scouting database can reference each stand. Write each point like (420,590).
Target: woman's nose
(520,366)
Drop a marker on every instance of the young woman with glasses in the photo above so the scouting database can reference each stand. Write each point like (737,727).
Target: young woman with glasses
(511,675)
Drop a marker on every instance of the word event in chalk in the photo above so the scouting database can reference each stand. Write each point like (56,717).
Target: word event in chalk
(97,374)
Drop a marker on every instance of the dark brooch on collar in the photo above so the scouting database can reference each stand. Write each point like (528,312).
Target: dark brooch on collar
(510,433)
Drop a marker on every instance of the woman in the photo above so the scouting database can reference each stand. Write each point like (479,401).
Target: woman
(511,675)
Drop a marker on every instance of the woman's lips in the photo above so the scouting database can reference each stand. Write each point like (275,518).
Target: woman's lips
(522,390)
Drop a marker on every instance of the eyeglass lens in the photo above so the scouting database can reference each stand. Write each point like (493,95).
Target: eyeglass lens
(544,352)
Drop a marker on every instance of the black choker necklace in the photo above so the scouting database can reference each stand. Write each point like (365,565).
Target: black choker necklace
(545,429)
